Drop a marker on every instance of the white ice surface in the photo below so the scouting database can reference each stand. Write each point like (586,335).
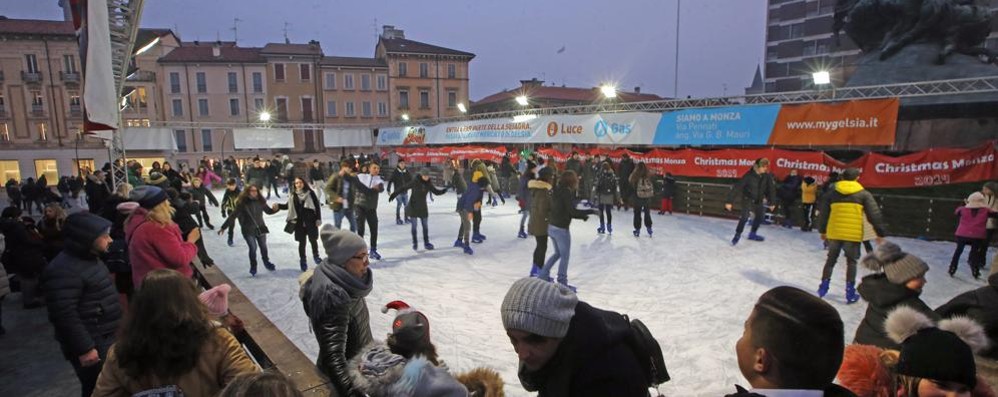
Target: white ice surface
(687,283)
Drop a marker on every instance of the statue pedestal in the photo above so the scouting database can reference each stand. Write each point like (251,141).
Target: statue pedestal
(916,62)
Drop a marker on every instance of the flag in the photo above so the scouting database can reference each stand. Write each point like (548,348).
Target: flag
(100,99)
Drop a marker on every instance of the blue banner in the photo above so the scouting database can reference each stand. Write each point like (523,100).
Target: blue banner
(735,125)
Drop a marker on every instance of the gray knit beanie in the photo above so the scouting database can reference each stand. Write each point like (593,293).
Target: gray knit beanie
(340,245)
(899,266)
(538,307)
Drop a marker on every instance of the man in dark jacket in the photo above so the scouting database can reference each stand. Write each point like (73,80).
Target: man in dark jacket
(339,195)
(333,297)
(400,177)
(507,175)
(842,213)
(82,301)
(624,176)
(789,193)
(981,305)
(756,189)
(568,348)
(97,192)
(792,345)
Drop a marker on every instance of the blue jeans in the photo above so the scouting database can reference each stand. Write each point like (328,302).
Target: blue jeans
(345,213)
(523,217)
(254,242)
(426,230)
(562,250)
(401,201)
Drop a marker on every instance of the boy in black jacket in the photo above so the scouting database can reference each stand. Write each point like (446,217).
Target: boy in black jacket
(229,202)
(200,193)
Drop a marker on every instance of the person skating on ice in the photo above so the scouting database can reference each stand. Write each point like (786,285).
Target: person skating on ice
(562,212)
(369,187)
(340,194)
(304,219)
(417,209)
(400,177)
(250,207)
(523,196)
(540,211)
(607,194)
(229,199)
(644,190)
(756,189)
(467,204)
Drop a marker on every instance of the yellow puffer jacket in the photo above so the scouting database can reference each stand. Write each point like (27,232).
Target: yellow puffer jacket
(843,214)
(808,193)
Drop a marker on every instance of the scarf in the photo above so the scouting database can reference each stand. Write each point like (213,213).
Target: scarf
(304,198)
(331,285)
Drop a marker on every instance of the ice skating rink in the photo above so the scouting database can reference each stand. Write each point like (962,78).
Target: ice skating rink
(687,283)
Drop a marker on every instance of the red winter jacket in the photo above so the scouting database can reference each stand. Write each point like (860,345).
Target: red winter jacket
(153,246)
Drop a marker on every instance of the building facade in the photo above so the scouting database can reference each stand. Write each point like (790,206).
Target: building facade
(542,96)
(799,41)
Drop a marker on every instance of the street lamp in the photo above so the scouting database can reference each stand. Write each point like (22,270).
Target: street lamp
(522,100)
(821,78)
(264,116)
(405,116)
(609,91)
(461,107)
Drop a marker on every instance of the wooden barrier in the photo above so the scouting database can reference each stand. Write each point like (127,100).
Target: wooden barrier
(265,342)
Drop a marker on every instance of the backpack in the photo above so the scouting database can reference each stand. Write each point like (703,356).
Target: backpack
(645,189)
(648,352)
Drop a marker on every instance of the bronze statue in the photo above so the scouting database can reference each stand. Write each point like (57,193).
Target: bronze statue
(887,26)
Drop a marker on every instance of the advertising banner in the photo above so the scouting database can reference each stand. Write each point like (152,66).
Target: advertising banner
(850,123)
(263,138)
(734,125)
(346,137)
(138,138)
(929,168)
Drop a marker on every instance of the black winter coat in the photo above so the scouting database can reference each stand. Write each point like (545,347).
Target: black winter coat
(25,252)
(753,188)
(883,297)
(250,215)
(417,207)
(563,208)
(832,390)
(982,306)
(305,224)
(80,295)
(183,215)
(97,193)
(593,360)
(399,178)
(789,190)
(258,176)
(624,172)
(203,196)
(13,191)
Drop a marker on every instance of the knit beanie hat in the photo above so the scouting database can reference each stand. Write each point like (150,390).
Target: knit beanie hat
(425,171)
(340,245)
(147,196)
(410,327)
(944,353)
(545,173)
(977,200)
(217,300)
(899,266)
(538,307)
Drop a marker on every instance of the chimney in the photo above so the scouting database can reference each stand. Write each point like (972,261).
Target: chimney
(532,83)
(389,32)
(637,89)
(67,10)
(216,50)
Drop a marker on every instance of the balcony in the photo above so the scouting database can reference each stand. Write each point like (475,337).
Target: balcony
(145,75)
(70,77)
(31,77)
(75,111)
(37,110)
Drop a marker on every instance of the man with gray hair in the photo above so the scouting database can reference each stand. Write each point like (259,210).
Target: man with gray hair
(567,347)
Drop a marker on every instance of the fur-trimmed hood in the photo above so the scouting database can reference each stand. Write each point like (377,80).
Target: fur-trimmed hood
(482,382)
(538,184)
(378,372)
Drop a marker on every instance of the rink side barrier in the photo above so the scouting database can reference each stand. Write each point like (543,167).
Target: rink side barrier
(262,340)
(928,218)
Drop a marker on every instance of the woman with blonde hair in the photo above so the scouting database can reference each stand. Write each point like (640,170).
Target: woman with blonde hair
(50,228)
(154,240)
(169,343)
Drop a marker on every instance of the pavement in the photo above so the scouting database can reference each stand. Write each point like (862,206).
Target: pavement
(32,364)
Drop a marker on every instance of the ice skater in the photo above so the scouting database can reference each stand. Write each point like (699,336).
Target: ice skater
(304,219)
(523,196)
(644,190)
(540,208)
(562,212)
(607,194)
(400,177)
(467,205)
(249,210)
(417,209)
(339,195)
(756,189)
(229,199)
(369,187)
(972,230)
(203,196)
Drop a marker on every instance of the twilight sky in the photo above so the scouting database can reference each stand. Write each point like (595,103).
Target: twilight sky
(631,42)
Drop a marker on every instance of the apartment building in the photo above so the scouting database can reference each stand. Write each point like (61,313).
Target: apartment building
(355,90)
(294,90)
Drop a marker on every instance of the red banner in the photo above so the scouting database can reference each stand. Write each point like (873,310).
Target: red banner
(927,168)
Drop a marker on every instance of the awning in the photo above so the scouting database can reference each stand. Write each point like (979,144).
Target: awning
(263,138)
(136,138)
(347,137)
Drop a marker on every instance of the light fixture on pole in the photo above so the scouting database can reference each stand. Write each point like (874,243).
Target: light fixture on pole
(265,116)
(520,118)
(462,108)
(821,78)
(522,100)
(609,91)
(405,116)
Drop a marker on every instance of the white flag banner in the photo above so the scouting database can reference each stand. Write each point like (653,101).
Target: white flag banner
(263,138)
(157,139)
(347,137)
(99,95)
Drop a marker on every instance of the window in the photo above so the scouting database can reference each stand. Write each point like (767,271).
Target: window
(4,134)
(257,82)
(48,168)
(178,108)
(348,81)
(382,82)
(451,71)
(138,122)
(83,164)
(74,99)
(365,109)
(233,82)
(350,110)
(796,30)
(32,63)
(202,82)
(424,99)
(203,107)
(69,63)
(181,138)
(282,109)
(382,109)
(74,104)
(424,70)
(809,48)
(365,82)
(403,99)
(43,131)
(306,71)
(174,83)
(2,103)
(279,71)
(234,106)
(452,99)
(139,96)
(403,69)
(37,102)
(258,104)
(330,81)
(306,109)
(10,169)
(206,140)
(331,108)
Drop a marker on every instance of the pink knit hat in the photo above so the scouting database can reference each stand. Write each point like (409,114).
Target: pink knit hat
(217,300)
